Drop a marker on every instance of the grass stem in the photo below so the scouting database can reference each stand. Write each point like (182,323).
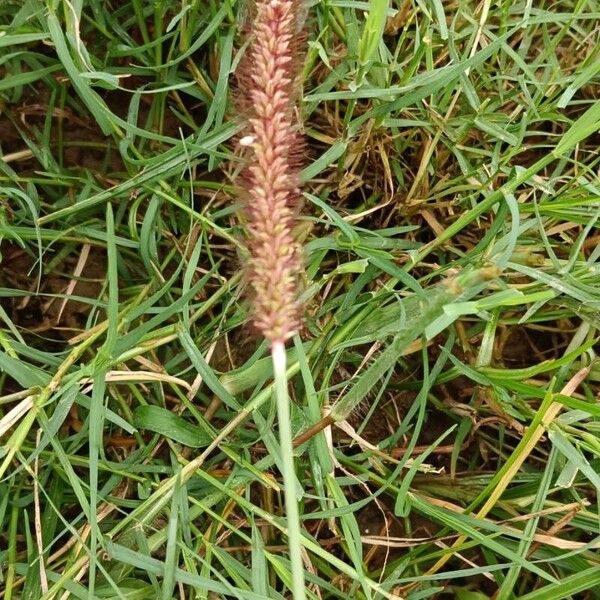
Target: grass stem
(288,472)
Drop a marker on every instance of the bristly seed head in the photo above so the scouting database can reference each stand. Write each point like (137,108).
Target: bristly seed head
(271,183)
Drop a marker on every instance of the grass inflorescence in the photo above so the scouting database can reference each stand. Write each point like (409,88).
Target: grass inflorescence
(444,382)
(270,183)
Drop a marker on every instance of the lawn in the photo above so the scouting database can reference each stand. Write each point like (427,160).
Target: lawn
(444,388)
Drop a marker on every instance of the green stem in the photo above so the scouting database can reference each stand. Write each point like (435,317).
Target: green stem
(289,475)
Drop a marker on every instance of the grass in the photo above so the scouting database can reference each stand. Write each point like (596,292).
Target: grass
(445,386)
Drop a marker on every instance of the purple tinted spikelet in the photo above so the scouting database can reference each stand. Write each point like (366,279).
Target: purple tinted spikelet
(270,181)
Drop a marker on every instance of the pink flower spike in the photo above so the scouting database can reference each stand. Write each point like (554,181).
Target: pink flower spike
(271,182)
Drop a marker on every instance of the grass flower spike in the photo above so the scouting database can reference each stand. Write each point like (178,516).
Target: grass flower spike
(271,178)
(271,186)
